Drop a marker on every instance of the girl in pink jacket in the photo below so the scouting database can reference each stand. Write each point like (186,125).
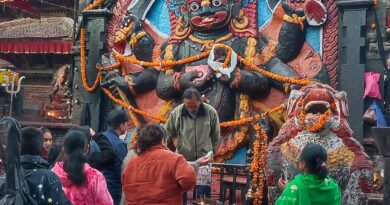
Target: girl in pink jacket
(82,184)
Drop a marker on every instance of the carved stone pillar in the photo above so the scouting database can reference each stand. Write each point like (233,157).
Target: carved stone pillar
(87,105)
(352,42)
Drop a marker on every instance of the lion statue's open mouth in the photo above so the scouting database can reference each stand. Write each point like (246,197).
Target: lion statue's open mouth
(317,107)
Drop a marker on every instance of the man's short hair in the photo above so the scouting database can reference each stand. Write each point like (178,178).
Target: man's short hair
(191,93)
(116,118)
(32,141)
(44,130)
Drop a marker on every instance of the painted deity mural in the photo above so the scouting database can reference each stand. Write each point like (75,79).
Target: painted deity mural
(245,57)
(283,38)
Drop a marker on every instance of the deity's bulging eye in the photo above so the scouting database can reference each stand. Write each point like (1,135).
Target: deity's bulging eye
(194,6)
(217,3)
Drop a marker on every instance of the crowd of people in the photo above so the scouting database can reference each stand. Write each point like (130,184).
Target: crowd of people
(158,165)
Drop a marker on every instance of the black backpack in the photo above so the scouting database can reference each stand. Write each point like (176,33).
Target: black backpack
(15,190)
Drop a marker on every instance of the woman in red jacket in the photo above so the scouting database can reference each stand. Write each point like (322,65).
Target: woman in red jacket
(157,175)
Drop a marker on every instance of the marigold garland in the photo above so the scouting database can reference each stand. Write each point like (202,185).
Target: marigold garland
(319,124)
(129,107)
(94,5)
(250,119)
(271,75)
(228,55)
(247,63)
(162,65)
(257,167)
(83,66)
(170,63)
(108,68)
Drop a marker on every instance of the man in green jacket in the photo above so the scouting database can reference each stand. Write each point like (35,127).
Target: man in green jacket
(193,127)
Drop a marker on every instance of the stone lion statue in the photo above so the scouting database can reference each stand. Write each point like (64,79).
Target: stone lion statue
(317,114)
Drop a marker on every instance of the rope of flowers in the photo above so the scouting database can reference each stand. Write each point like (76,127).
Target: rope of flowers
(257,167)
(107,68)
(83,66)
(247,63)
(161,119)
(274,76)
(94,5)
(319,124)
(251,119)
(129,107)
(164,64)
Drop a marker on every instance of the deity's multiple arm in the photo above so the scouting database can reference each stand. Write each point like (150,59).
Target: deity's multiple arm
(276,66)
(165,86)
(292,33)
(169,84)
(137,39)
(271,62)
(253,84)
(143,81)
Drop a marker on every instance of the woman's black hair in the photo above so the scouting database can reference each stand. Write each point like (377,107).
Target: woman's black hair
(44,130)
(54,152)
(315,157)
(74,144)
(84,129)
(149,136)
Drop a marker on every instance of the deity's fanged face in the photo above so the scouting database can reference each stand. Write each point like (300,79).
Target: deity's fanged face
(208,14)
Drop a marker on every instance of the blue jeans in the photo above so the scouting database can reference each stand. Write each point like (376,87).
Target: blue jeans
(116,195)
(203,191)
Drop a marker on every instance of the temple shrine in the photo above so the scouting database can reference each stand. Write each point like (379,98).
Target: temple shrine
(318,68)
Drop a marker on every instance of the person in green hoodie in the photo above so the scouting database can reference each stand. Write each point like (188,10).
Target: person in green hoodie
(313,186)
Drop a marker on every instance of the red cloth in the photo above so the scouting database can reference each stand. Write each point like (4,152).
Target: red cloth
(56,47)
(157,177)
(94,191)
